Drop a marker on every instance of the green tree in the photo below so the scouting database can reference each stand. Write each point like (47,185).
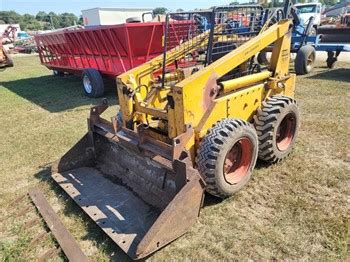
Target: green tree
(42,16)
(68,19)
(54,20)
(80,21)
(29,22)
(328,2)
(10,17)
(159,11)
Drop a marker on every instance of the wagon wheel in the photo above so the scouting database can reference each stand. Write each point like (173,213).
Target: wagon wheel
(92,83)
(305,59)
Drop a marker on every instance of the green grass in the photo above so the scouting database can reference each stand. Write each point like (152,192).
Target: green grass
(296,210)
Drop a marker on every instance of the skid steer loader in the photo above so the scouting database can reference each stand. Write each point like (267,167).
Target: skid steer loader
(194,119)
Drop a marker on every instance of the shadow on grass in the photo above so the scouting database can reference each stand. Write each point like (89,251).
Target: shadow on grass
(71,209)
(56,94)
(210,200)
(340,74)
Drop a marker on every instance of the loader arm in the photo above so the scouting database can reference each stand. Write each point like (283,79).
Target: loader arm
(194,87)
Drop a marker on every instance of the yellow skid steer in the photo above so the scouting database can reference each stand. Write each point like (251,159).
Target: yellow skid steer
(194,119)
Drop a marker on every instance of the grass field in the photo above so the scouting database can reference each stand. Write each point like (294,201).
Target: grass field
(296,210)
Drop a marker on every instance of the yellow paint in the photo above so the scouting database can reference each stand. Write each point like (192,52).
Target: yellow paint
(244,81)
(238,98)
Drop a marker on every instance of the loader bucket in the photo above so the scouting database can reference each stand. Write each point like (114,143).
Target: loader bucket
(141,203)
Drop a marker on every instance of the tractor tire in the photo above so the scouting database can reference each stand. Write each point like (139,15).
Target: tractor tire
(305,60)
(227,156)
(262,58)
(58,73)
(93,83)
(277,124)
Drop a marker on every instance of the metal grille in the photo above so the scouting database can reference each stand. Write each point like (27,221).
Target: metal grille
(235,26)
(206,36)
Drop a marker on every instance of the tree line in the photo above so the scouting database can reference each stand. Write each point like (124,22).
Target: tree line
(51,20)
(41,21)
(47,21)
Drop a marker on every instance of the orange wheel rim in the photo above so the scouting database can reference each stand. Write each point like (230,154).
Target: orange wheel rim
(286,132)
(238,161)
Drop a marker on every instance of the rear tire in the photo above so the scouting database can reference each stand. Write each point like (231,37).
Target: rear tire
(227,156)
(277,124)
(93,83)
(305,60)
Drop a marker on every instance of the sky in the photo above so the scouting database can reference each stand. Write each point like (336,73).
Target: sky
(75,6)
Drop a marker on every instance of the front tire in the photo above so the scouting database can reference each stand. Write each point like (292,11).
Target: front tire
(227,156)
(277,124)
(93,83)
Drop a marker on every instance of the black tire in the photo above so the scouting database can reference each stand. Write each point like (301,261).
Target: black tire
(305,60)
(262,58)
(92,83)
(226,138)
(58,73)
(277,124)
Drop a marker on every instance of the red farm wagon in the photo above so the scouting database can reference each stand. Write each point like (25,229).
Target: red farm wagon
(104,51)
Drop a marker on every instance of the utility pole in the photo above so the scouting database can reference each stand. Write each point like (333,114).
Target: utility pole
(51,22)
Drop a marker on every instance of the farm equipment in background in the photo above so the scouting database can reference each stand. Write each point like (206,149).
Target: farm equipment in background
(302,30)
(5,58)
(194,119)
(105,51)
(308,11)
(25,46)
(335,39)
(9,35)
(331,39)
